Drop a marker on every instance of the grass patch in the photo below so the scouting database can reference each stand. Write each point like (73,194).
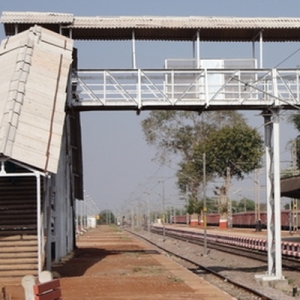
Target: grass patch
(175,279)
(137,269)
(124,237)
(148,270)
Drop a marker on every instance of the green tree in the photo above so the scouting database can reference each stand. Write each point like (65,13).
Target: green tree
(245,204)
(295,120)
(179,132)
(196,206)
(231,152)
(106,217)
(225,137)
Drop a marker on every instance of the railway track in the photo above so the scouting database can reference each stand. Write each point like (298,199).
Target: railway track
(287,262)
(232,287)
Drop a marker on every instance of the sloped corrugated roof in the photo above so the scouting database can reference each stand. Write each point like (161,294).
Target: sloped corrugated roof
(184,22)
(36,17)
(34,73)
(158,28)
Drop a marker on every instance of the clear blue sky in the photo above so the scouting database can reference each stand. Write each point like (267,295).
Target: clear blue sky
(117,162)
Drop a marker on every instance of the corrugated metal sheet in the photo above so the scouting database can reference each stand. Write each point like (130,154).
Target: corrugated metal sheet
(36,17)
(158,28)
(185,22)
(32,102)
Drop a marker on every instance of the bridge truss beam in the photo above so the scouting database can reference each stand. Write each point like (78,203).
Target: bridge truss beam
(196,89)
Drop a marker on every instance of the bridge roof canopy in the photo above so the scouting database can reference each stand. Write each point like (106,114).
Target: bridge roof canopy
(216,29)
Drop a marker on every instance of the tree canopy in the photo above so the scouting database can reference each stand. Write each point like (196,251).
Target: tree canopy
(179,131)
(237,149)
(232,148)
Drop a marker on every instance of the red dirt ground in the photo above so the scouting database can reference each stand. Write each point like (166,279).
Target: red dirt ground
(110,264)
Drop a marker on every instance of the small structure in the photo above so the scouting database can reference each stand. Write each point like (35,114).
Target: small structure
(91,221)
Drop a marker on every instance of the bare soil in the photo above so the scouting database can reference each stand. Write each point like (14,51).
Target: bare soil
(110,264)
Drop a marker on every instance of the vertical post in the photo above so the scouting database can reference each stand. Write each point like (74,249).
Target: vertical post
(276,184)
(261,49)
(256,196)
(228,201)
(174,215)
(198,50)
(163,204)
(295,215)
(148,213)
(187,201)
(133,50)
(132,216)
(204,204)
(253,49)
(39,222)
(270,200)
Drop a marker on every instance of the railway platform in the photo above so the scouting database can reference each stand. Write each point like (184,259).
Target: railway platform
(110,263)
(246,232)
(247,238)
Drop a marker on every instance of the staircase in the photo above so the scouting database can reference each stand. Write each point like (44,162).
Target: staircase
(18,227)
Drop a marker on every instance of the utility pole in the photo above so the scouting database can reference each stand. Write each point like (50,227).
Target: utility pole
(187,201)
(132,218)
(148,215)
(294,210)
(163,207)
(163,203)
(229,206)
(204,204)
(257,194)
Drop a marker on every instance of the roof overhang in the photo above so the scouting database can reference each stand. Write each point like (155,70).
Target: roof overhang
(290,187)
(216,29)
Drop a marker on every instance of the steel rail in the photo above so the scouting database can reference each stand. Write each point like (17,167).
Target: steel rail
(224,279)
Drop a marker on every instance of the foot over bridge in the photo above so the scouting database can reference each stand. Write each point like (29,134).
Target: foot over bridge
(43,93)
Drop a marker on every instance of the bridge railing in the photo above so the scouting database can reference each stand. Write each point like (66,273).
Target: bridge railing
(244,89)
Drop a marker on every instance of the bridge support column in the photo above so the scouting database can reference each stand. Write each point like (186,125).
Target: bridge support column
(272,153)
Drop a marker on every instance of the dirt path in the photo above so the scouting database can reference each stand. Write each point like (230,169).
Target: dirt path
(110,264)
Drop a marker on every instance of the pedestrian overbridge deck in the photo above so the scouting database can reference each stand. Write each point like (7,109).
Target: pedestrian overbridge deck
(186,89)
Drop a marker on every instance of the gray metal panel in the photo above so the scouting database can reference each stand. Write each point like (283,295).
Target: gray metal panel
(32,105)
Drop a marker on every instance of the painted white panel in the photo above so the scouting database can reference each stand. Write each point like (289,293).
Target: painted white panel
(32,119)
(33,102)
(40,103)
(32,132)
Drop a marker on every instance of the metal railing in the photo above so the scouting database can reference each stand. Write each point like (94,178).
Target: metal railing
(211,88)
